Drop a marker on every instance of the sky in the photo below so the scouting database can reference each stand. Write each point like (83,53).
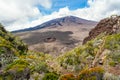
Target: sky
(20,14)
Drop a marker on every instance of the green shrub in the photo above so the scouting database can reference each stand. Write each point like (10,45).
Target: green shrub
(112,63)
(41,67)
(113,42)
(114,58)
(50,76)
(19,69)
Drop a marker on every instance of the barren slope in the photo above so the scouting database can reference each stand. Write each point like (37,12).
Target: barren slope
(57,36)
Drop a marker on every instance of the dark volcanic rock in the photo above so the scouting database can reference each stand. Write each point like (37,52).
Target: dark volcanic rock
(108,25)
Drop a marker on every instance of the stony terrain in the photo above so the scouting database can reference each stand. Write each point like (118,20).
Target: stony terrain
(67,32)
(108,25)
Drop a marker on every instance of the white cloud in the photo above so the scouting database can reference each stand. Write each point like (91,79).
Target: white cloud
(97,10)
(16,13)
(41,19)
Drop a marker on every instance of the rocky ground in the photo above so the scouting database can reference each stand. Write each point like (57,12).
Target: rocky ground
(66,36)
(108,26)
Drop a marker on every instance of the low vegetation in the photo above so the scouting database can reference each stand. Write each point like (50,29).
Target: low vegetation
(98,59)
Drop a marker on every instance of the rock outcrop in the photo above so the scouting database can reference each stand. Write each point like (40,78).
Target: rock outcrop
(108,26)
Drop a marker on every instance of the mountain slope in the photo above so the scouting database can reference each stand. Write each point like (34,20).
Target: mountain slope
(59,22)
(98,59)
(58,35)
(11,48)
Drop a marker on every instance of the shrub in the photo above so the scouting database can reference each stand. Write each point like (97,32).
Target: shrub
(50,76)
(67,77)
(109,76)
(114,58)
(95,73)
(41,67)
(18,70)
(113,42)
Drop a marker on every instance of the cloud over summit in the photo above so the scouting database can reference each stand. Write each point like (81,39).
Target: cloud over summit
(19,14)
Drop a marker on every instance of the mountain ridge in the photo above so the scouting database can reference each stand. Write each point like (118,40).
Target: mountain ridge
(58,22)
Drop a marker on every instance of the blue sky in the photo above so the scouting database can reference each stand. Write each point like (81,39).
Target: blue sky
(20,14)
(57,4)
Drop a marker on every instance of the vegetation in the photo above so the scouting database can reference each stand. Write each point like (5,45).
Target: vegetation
(95,73)
(67,77)
(98,59)
(50,76)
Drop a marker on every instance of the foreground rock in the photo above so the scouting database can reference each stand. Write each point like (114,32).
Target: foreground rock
(108,26)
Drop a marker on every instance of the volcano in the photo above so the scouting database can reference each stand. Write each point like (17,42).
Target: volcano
(56,36)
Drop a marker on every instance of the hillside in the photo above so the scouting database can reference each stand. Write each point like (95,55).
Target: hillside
(58,35)
(107,25)
(11,48)
(97,59)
